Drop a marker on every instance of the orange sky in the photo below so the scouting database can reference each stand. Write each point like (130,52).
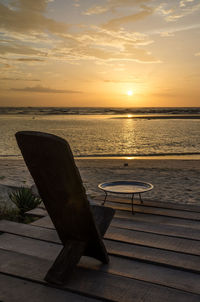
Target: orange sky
(91,52)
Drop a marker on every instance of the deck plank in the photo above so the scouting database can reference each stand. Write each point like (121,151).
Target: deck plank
(161,229)
(140,208)
(188,246)
(44,222)
(143,226)
(93,283)
(28,230)
(183,245)
(158,204)
(37,212)
(154,256)
(14,289)
(134,251)
(154,240)
(147,272)
(194,224)
(171,221)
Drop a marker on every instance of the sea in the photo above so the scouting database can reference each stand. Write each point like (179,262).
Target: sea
(108,132)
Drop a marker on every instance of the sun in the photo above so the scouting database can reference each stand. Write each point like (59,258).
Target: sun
(129,92)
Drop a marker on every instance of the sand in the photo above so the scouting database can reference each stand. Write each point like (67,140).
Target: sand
(174,181)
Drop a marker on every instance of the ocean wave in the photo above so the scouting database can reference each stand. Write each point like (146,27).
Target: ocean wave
(98,110)
(137,155)
(116,155)
(158,117)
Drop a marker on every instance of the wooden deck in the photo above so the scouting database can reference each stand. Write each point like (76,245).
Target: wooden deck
(154,257)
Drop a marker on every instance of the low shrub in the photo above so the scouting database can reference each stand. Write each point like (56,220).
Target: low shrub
(25,201)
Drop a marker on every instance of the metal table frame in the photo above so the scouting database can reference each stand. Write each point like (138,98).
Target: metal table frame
(132,194)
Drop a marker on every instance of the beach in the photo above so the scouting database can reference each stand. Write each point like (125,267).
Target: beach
(175,181)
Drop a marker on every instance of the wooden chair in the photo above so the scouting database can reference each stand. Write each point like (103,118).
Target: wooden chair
(78,224)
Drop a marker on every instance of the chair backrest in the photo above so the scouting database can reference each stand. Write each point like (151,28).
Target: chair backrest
(50,161)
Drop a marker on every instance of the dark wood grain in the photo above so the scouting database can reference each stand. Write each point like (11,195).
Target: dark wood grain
(162,229)
(13,289)
(194,224)
(148,272)
(93,283)
(133,251)
(140,208)
(151,203)
(154,240)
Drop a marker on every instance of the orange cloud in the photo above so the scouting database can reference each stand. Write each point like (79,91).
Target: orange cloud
(19,49)
(41,89)
(29,18)
(112,5)
(117,22)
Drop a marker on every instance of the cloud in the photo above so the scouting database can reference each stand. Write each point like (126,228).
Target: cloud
(178,9)
(172,31)
(30,60)
(131,80)
(113,5)
(19,79)
(33,5)
(118,3)
(96,10)
(108,51)
(5,65)
(19,49)
(139,55)
(76,3)
(183,3)
(28,32)
(41,89)
(166,95)
(114,24)
(130,53)
(101,45)
(28,17)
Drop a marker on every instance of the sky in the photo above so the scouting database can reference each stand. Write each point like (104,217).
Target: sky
(101,53)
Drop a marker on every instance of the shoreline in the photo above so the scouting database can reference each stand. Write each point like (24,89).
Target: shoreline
(122,157)
(150,116)
(174,181)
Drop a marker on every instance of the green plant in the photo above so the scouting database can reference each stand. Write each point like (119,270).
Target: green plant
(13,215)
(24,200)
(9,213)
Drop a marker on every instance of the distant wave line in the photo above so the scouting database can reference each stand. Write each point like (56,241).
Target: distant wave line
(158,117)
(137,155)
(99,111)
(153,155)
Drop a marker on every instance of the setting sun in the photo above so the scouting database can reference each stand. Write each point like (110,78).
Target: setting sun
(129,92)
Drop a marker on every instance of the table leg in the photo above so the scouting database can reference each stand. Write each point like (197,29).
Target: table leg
(106,194)
(140,198)
(132,198)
